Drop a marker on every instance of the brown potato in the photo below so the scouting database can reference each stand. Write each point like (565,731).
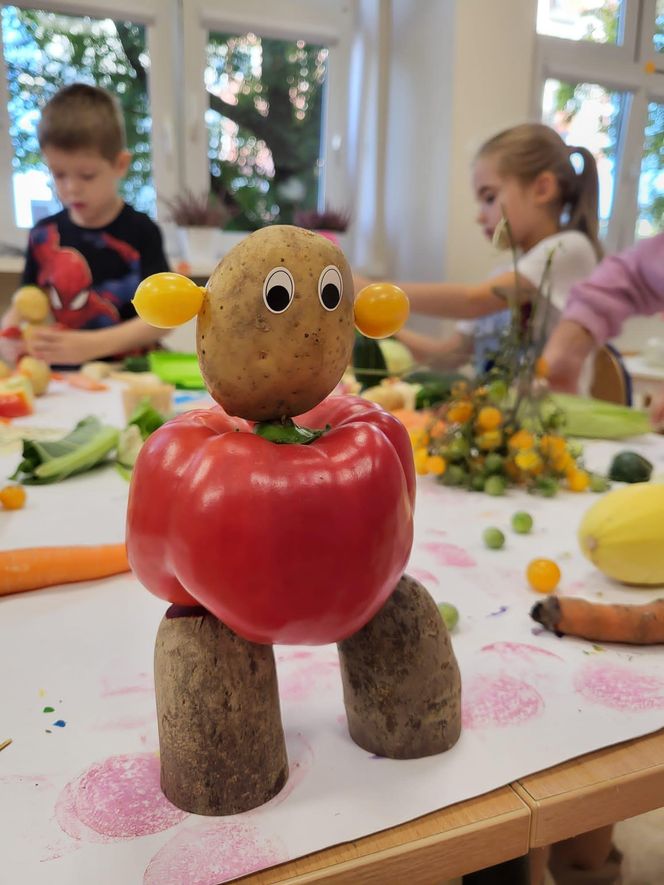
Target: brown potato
(267,352)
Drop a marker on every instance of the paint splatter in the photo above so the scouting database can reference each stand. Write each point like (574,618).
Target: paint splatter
(295,656)
(303,682)
(519,649)
(620,687)
(499,702)
(119,798)
(214,853)
(499,611)
(424,576)
(143,684)
(59,723)
(48,710)
(448,554)
(125,723)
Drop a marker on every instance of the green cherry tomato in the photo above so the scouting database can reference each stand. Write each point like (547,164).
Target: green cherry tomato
(449,613)
(493,538)
(495,485)
(494,463)
(522,522)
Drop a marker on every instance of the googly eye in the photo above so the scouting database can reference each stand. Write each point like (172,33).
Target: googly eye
(330,287)
(278,290)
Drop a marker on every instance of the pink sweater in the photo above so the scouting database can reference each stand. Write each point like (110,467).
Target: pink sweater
(628,284)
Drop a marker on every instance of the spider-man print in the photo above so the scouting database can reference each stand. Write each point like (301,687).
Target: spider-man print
(65,274)
(91,275)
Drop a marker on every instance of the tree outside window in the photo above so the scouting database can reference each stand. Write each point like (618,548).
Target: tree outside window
(264,125)
(45,51)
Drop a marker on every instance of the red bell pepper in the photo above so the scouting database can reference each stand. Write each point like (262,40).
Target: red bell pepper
(286,543)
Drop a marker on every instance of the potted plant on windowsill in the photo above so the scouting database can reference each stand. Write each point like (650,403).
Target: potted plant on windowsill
(200,219)
(331,223)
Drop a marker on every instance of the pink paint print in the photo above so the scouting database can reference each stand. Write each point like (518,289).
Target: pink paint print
(142,683)
(620,687)
(213,853)
(308,679)
(499,702)
(119,798)
(423,576)
(448,554)
(520,650)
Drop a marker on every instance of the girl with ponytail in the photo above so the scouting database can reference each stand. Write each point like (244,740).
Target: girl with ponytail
(527,175)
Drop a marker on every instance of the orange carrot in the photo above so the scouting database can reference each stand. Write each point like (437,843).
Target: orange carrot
(633,624)
(31,568)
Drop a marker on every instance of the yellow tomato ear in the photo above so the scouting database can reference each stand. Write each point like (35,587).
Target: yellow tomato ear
(381,309)
(167,300)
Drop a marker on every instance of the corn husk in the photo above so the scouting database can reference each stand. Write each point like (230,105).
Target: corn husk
(596,419)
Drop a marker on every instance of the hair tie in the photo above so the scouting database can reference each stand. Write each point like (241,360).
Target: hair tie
(577,160)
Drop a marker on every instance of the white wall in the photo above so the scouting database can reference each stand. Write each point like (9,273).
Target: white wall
(460,71)
(494,47)
(418,137)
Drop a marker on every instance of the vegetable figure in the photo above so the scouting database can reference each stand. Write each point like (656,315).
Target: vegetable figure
(281,515)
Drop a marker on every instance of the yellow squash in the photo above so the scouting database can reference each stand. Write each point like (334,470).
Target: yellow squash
(623,534)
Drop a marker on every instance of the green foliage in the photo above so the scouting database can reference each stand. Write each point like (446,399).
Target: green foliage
(45,51)
(272,90)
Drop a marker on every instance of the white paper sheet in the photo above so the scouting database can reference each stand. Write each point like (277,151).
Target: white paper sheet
(79,785)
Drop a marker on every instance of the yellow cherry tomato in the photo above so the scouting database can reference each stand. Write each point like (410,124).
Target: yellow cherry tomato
(12,497)
(577,480)
(381,309)
(543,575)
(167,300)
(421,457)
(460,412)
(489,418)
(436,464)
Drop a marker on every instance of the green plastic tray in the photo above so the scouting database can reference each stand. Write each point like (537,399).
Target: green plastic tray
(179,369)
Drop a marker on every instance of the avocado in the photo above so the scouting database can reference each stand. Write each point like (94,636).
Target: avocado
(630,467)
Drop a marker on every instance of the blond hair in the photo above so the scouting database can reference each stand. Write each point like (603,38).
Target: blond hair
(83,117)
(526,151)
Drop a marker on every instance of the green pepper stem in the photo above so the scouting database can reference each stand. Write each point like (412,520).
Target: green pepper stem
(286,430)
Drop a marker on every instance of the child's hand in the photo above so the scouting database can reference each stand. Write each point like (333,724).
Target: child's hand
(11,350)
(657,412)
(564,355)
(65,347)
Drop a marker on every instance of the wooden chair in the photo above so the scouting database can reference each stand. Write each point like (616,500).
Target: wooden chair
(611,381)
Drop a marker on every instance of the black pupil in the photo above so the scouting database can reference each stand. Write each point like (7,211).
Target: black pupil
(330,296)
(278,298)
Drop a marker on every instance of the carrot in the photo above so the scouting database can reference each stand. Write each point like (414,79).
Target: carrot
(31,568)
(82,382)
(633,624)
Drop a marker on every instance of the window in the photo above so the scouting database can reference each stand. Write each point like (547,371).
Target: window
(228,97)
(46,50)
(590,115)
(49,43)
(264,125)
(267,105)
(601,85)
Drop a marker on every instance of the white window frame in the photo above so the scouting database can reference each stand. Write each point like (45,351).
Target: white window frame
(324,22)
(616,67)
(160,20)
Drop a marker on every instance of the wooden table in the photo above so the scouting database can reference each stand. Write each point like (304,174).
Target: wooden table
(600,788)
(456,840)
